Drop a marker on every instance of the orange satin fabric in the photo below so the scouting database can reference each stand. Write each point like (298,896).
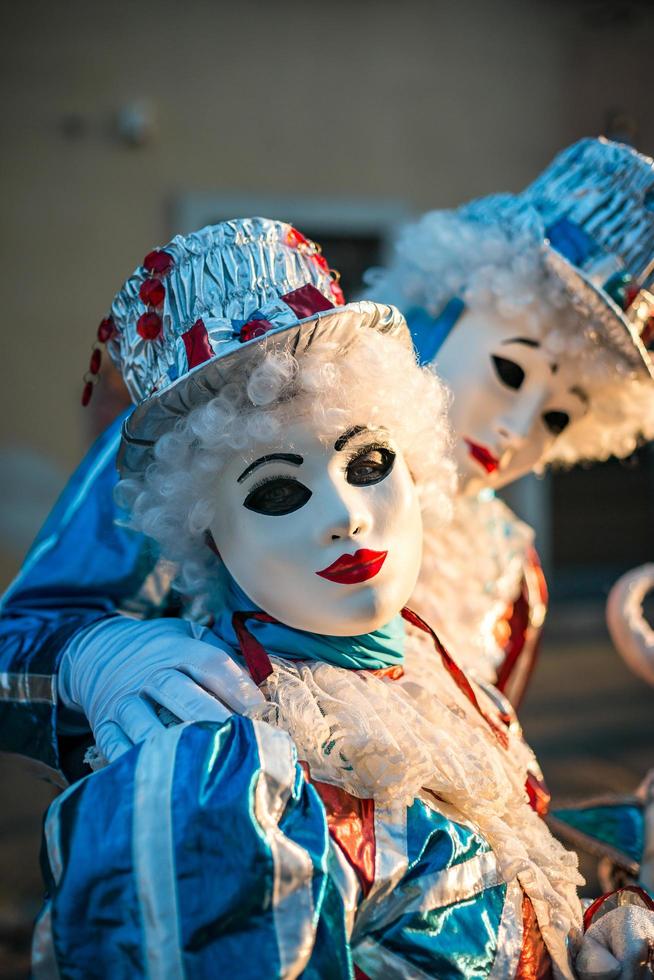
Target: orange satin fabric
(351,823)
(534,962)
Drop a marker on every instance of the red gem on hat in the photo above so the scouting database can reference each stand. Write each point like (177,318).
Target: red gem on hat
(295,238)
(152,292)
(96,360)
(87,391)
(105,330)
(148,326)
(158,262)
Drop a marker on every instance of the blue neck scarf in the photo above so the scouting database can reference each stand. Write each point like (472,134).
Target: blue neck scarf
(429,333)
(370,651)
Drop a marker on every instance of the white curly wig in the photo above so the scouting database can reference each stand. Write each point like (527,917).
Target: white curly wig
(490,254)
(377,382)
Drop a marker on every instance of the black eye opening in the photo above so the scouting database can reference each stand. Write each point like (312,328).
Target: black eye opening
(509,373)
(556,422)
(277,496)
(369,465)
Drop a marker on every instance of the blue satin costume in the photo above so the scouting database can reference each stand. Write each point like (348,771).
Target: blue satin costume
(204,852)
(81,567)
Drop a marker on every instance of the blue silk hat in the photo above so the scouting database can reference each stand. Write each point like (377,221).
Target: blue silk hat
(206,303)
(596,202)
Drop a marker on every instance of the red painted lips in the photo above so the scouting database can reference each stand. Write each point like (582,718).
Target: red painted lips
(483,456)
(359,567)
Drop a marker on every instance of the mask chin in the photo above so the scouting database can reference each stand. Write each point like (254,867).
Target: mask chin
(362,612)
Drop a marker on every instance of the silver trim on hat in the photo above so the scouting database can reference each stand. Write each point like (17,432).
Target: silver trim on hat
(157,414)
(605,315)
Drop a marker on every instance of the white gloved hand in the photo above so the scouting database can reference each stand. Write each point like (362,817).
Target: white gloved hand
(617,946)
(119,670)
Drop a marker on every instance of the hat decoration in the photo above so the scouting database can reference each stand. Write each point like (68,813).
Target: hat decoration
(91,378)
(152,310)
(206,302)
(596,201)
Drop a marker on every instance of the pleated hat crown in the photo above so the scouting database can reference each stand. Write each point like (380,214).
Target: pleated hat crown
(223,285)
(596,201)
(202,309)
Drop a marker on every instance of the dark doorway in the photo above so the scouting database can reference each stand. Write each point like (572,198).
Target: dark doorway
(602,520)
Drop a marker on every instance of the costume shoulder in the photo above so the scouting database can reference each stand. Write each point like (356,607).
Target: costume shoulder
(82,566)
(217,861)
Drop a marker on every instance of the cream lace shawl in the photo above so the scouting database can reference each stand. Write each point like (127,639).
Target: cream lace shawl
(393,740)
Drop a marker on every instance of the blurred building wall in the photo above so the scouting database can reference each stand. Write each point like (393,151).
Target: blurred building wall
(426,101)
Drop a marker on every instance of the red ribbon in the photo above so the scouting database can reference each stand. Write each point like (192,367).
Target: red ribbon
(196,343)
(456,673)
(256,658)
(306,301)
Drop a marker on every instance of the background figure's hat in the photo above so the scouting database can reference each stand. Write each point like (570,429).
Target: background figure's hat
(596,201)
(205,302)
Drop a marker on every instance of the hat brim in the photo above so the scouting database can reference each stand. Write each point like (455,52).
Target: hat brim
(605,314)
(158,413)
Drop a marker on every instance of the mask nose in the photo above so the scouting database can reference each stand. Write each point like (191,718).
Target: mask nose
(516,428)
(348,521)
(510,437)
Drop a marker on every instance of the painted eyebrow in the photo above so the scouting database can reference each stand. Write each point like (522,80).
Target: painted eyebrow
(291,458)
(580,393)
(347,436)
(356,430)
(527,341)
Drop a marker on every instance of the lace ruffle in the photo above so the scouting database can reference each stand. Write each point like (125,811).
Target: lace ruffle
(392,740)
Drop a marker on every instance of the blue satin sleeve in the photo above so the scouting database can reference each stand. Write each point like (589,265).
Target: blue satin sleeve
(202,852)
(82,566)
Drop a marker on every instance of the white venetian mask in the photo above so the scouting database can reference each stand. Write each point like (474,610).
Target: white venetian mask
(511,397)
(326,536)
